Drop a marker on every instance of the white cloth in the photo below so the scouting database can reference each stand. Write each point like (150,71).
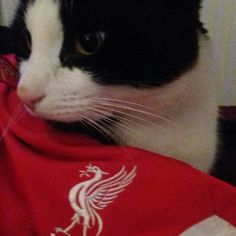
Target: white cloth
(213,226)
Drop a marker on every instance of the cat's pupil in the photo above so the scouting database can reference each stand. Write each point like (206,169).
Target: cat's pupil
(88,44)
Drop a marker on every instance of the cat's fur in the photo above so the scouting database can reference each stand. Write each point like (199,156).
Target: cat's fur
(148,86)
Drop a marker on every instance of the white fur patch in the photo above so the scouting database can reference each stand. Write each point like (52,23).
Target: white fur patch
(42,21)
(65,91)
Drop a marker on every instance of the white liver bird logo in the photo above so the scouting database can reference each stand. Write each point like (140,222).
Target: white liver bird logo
(87,197)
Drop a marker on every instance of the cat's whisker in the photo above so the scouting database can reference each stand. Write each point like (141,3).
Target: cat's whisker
(105,115)
(150,114)
(113,100)
(121,114)
(90,124)
(117,140)
(85,119)
(105,132)
(111,122)
(20,3)
(116,123)
(112,111)
(110,106)
(111,135)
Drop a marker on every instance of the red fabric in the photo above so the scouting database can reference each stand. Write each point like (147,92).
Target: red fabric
(38,169)
(8,71)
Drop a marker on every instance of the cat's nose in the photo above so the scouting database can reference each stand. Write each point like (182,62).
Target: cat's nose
(28,97)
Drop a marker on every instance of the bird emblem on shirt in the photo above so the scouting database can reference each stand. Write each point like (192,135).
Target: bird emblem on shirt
(87,198)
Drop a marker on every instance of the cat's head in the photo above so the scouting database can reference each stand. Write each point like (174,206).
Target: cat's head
(77,56)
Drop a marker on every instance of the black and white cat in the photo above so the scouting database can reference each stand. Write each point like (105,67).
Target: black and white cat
(138,71)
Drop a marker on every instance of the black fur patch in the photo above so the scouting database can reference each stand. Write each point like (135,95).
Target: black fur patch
(225,166)
(19,31)
(147,43)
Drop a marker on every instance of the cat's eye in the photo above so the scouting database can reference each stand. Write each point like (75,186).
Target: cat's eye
(89,44)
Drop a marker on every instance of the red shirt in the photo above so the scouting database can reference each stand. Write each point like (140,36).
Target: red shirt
(53,183)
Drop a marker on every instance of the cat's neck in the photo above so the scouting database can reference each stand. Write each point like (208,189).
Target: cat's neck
(187,125)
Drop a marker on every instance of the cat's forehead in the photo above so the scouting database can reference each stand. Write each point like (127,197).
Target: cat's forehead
(71,13)
(96,12)
(91,14)
(81,6)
